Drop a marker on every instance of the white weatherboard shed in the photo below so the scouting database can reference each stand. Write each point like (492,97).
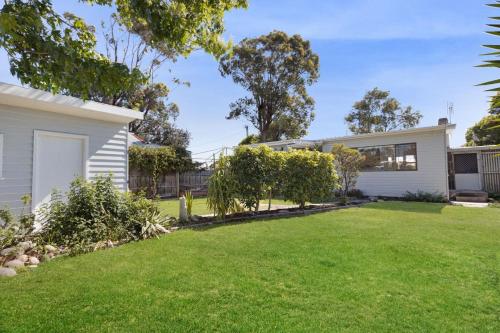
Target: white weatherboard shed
(47,140)
(396,162)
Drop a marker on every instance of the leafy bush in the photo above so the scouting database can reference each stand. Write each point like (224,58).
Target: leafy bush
(95,211)
(256,171)
(424,196)
(14,230)
(308,176)
(221,197)
(347,163)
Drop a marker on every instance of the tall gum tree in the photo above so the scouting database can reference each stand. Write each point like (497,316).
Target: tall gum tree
(276,70)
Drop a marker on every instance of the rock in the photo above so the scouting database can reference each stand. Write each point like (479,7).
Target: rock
(162,229)
(6,271)
(34,261)
(32,266)
(14,264)
(195,218)
(25,245)
(22,257)
(50,248)
(7,251)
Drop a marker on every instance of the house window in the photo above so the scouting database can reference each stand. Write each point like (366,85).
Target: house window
(398,157)
(1,155)
(465,163)
(406,156)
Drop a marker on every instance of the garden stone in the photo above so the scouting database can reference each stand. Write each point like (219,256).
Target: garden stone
(162,229)
(183,216)
(7,251)
(5,271)
(34,261)
(25,245)
(50,248)
(46,257)
(14,264)
(22,257)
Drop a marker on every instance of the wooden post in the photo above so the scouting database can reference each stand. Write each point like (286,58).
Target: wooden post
(177,183)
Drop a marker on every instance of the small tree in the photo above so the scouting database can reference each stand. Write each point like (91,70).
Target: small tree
(308,176)
(347,163)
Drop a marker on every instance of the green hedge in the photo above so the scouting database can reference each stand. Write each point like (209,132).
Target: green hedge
(252,174)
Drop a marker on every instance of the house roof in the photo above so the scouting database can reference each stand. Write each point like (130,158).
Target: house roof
(300,143)
(45,101)
(447,127)
(474,149)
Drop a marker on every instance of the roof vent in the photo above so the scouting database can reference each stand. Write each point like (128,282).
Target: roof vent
(443,121)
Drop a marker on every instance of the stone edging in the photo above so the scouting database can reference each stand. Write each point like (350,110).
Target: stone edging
(276,215)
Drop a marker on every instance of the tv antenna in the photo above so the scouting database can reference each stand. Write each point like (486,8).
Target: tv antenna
(450,110)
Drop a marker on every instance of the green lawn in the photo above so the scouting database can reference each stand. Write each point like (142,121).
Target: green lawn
(171,206)
(386,267)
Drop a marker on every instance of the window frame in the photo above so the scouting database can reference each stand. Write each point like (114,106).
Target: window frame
(394,147)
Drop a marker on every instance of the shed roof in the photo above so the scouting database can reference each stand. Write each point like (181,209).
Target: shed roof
(45,101)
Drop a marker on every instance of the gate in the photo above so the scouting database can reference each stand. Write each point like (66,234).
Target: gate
(491,171)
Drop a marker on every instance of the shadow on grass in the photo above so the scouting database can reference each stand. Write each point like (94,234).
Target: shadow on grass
(410,207)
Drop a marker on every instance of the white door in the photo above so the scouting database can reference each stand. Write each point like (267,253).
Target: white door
(58,158)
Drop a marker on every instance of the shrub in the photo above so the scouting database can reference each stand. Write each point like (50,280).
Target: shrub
(308,176)
(221,198)
(256,171)
(14,230)
(347,163)
(95,211)
(424,196)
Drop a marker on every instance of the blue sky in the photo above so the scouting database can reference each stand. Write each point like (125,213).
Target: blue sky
(423,51)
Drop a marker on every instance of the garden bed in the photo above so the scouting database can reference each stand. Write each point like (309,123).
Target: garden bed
(201,221)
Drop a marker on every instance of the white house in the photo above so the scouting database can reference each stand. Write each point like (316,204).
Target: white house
(47,140)
(396,162)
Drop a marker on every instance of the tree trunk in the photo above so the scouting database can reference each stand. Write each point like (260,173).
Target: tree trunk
(270,198)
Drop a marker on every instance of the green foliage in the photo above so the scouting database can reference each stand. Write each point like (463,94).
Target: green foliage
(256,171)
(157,162)
(251,139)
(378,112)
(58,52)
(308,176)
(94,212)
(189,203)
(494,63)
(221,197)
(347,163)
(424,196)
(275,69)
(484,132)
(157,126)
(14,230)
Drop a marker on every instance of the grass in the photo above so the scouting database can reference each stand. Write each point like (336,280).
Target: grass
(171,206)
(385,267)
